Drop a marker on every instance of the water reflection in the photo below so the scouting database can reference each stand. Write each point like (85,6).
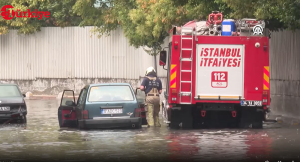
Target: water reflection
(219,145)
(42,139)
(259,144)
(182,145)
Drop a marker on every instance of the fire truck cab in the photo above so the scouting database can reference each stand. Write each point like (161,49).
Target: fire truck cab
(216,78)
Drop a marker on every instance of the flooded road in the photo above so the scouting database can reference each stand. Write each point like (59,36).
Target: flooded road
(42,139)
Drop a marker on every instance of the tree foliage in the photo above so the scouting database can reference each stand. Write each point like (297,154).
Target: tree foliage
(279,14)
(146,22)
(61,14)
(102,17)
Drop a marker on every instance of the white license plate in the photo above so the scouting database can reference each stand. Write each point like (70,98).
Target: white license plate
(111,111)
(4,108)
(251,103)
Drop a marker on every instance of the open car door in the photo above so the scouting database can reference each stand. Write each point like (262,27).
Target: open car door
(140,112)
(66,110)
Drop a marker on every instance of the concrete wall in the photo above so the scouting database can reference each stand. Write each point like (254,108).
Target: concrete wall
(71,52)
(285,73)
(57,58)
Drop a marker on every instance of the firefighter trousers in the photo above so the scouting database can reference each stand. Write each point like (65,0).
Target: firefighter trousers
(152,108)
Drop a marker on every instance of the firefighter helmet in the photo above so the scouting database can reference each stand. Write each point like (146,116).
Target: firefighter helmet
(149,70)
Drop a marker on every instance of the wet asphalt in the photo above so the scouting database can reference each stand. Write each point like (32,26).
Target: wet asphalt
(41,139)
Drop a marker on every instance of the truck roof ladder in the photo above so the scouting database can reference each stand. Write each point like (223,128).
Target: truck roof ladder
(187,35)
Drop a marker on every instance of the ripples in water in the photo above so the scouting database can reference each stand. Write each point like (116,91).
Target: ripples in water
(41,138)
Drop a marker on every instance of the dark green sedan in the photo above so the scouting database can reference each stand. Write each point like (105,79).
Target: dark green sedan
(107,105)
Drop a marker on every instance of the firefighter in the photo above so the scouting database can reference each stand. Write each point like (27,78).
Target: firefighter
(152,87)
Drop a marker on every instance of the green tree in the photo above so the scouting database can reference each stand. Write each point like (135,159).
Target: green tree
(279,14)
(61,14)
(103,17)
(4,25)
(144,22)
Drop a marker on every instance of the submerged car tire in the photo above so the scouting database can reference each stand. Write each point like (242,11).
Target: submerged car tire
(19,121)
(24,120)
(80,127)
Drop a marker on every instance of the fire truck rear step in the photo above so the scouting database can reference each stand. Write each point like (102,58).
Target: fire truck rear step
(187,38)
(185,103)
(186,59)
(186,93)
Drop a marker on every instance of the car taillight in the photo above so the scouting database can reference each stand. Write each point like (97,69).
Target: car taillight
(140,112)
(85,114)
(15,115)
(174,95)
(265,98)
(137,112)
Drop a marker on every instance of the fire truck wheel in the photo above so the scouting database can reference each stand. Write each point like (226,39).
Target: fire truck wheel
(187,118)
(187,123)
(244,125)
(257,125)
(233,125)
(174,125)
(175,119)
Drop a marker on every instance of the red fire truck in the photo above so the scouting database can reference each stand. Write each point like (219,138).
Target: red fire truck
(217,79)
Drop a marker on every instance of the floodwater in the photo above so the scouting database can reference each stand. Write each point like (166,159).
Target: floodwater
(42,139)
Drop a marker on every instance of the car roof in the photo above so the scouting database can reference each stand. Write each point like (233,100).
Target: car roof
(101,84)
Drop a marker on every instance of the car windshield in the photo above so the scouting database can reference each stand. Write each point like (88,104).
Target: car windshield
(110,93)
(9,91)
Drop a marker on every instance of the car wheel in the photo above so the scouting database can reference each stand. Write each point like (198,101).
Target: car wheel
(79,126)
(24,120)
(138,126)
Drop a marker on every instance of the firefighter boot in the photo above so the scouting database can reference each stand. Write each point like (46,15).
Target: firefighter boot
(156,121)
(156,117)
(150,119)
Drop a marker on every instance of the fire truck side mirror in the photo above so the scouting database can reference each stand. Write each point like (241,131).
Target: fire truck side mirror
(162,58)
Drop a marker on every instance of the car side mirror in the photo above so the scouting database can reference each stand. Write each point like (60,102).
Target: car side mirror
(162,58)
(70,103)
(24,95)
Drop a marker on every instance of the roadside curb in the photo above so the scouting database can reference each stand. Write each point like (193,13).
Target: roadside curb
(281,119)
(46,97)
(41,97)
